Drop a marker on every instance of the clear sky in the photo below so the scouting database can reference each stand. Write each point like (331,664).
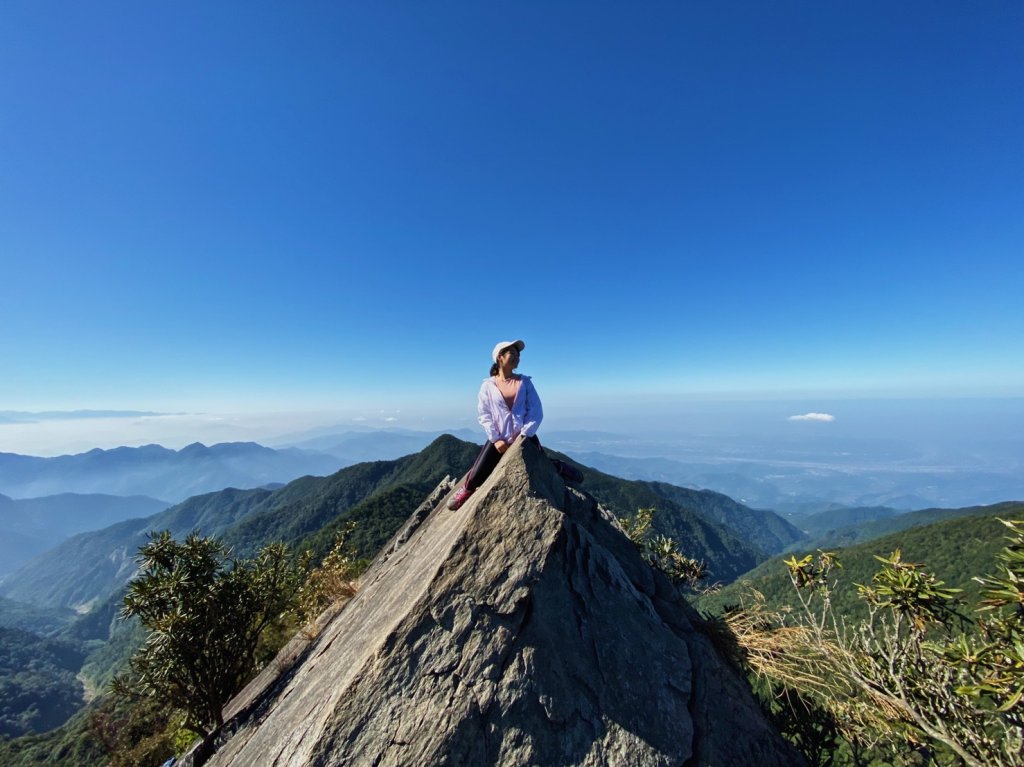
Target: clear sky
(257,206)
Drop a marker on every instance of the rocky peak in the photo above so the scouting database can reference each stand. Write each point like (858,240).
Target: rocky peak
(523,629)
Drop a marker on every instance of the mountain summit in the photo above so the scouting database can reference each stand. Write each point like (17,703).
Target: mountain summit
(523,629)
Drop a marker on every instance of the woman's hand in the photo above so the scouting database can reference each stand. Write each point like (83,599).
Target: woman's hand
(501,446)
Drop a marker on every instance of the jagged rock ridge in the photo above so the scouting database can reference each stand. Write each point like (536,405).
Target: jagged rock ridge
(523,629)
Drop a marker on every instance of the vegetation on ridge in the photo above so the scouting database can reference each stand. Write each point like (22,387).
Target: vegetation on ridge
(212,623)
(661,552)
(954,549)
(841,534)
(204,613)
(921,677)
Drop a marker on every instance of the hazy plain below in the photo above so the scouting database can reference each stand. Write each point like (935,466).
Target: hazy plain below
(787,455)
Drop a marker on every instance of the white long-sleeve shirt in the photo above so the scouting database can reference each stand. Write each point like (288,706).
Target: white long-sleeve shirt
(499,421)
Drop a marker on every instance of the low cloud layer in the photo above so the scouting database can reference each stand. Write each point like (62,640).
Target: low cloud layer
(21,416)
(821,417)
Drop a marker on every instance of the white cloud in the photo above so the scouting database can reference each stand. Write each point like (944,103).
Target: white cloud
(822,417)
(390,419)
(359,418)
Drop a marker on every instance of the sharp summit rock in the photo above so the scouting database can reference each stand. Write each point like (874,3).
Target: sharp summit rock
(522,629)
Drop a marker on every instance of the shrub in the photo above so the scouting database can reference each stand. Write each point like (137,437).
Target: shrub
(205,613)
(918,678)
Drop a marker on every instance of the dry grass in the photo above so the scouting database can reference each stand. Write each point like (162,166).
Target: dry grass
(331,584)
(811,661)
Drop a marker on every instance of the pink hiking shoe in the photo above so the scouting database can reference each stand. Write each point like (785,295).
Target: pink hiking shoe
(459,498)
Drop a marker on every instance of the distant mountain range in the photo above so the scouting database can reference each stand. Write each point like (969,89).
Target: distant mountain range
(356,446)
(89,567)
(32,525)
(158,472)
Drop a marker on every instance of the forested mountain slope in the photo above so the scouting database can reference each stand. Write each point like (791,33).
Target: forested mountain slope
(886,524)
(956,550)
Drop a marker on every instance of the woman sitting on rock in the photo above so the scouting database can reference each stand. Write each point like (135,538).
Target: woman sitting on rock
(508,407)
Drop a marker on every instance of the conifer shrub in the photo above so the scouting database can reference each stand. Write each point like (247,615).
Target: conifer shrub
(205,613)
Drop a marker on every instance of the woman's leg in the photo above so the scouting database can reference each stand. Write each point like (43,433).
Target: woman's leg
(483,466)
(489,456)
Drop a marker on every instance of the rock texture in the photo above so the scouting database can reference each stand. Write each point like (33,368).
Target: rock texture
(523,629)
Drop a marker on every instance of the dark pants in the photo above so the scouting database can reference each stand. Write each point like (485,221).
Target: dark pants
(485,463)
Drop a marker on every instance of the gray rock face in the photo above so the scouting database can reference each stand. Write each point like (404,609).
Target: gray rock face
(523,629)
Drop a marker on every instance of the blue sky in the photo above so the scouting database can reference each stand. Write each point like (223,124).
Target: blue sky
(316,206)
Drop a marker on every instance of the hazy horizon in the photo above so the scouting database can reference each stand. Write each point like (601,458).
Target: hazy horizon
(780,454)
(944,423)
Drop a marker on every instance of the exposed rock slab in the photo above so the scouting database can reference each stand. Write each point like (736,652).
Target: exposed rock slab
(523,629)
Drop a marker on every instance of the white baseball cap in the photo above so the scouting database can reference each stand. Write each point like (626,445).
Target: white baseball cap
(504,345)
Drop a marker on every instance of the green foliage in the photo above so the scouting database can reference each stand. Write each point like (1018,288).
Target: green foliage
(995,658)
(807,573)
(71,744)
(661,552)
(955,550)
(910,592)
(376,520)
(205,613)
(907,678)
(141,724)
(136,730)
(810,727)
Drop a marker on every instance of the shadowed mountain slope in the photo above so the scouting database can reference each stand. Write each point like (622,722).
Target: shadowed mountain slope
(765,529)
(89,567)
(706,525)
(30,526)
(522,629)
